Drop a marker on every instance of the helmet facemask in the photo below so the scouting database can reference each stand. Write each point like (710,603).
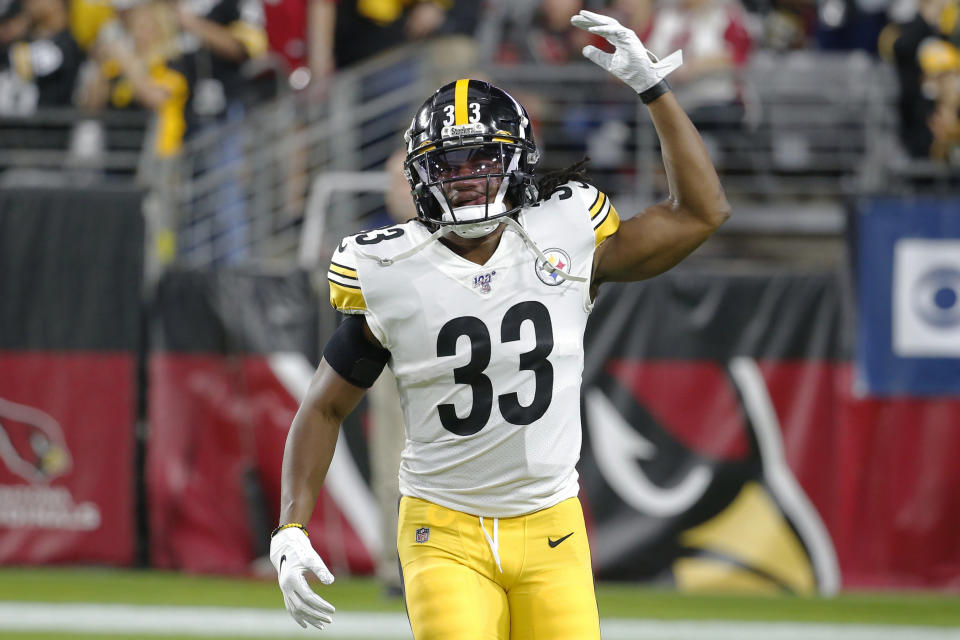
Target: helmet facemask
(470,158)
(467,187)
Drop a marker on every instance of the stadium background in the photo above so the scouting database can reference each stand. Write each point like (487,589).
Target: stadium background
(771,430)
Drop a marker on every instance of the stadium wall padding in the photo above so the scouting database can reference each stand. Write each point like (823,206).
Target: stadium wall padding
(71,272)
(734,410)
(232,354)
(724,445)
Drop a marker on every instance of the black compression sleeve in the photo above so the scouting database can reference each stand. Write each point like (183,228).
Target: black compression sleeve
(351,355)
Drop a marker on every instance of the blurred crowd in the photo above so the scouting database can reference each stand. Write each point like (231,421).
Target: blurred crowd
(924,51)
(194,62)
(181,60)
(919,38)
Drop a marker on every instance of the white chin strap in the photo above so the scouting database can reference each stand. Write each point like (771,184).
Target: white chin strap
(477,217)
(477,229)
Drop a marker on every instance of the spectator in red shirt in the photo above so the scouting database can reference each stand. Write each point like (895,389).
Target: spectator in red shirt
(715,43)
(716,46)
(296,30)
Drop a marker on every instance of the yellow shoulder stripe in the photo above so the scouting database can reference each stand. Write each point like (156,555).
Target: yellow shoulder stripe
(343,270)
(346,298)
(608,227)
(460,101)
(597,205)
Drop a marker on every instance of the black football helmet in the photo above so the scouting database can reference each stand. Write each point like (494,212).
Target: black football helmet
(470,130)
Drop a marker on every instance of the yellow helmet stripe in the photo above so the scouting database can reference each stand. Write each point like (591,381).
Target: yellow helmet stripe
(460,101)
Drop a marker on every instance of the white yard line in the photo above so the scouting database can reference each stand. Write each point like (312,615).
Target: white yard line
(106,619)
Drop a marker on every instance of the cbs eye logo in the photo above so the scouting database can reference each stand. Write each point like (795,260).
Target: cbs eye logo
(936,297)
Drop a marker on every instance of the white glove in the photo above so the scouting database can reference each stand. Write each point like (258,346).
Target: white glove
(631,62)
(293,556)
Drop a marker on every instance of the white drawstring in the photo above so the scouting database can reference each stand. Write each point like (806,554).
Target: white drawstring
(495,542)
(386,262)
(533,245)
(510,222)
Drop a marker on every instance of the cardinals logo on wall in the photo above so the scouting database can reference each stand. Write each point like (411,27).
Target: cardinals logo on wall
(32,444)
(706,499)
(33,448)
(684,476)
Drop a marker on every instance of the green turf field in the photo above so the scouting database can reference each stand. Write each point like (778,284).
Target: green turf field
(364,595)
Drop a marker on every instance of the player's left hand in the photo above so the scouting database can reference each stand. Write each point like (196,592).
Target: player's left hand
(293,557)
(631,62)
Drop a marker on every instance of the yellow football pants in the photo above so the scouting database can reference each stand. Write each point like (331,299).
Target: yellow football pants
(455,590)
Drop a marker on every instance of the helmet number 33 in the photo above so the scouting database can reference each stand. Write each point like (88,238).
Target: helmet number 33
(450,114)
(481,386)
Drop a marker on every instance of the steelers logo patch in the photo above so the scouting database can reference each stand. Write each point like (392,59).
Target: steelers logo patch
(547,271)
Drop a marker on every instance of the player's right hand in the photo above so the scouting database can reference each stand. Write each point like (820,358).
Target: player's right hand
(293,557)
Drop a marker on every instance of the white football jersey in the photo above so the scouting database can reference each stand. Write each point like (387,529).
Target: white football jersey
(488,358)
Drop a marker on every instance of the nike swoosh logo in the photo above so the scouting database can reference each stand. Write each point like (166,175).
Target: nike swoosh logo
(282,558)
(554,543)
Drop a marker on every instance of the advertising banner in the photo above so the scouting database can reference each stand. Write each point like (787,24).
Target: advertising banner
(69,334)
(908,283)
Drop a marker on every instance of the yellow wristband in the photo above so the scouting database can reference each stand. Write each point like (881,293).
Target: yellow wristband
(290,525)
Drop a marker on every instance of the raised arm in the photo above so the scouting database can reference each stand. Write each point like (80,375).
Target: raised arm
(663,234)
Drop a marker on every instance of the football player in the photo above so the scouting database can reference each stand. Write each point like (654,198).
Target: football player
(479,308)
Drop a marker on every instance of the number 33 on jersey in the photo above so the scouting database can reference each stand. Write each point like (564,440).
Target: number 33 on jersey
(488,358)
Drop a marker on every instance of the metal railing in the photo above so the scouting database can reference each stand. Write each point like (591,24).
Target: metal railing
(241,189)
(64,139)
(817,128)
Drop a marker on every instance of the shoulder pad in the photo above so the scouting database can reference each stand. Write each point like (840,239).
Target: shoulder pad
(603,215)
(358,252)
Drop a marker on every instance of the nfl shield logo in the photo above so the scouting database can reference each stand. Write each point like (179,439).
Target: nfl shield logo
(423,534)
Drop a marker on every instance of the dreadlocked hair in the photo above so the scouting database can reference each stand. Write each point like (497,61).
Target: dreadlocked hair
(549,182)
